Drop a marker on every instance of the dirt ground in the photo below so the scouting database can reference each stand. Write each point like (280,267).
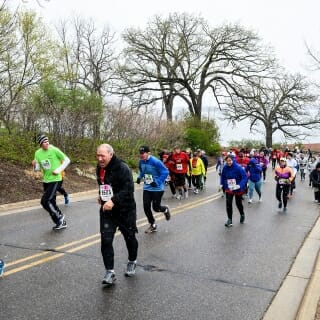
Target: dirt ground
(20,184)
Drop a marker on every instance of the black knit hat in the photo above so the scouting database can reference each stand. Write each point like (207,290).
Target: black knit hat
(42,138)
(144,149)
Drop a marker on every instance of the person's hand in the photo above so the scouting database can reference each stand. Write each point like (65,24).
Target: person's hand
(138,180)
(153,184)
(108,205)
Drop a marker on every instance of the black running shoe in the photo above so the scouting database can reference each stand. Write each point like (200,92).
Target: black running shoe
(242,218)
(228,224)
(167,213)
(151,228)
(60,225)
(280,205)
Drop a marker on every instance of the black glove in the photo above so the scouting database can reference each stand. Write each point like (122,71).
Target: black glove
(276,178)
(138,180)
(153,184)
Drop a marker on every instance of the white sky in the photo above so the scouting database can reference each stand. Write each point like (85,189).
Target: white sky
(284,24)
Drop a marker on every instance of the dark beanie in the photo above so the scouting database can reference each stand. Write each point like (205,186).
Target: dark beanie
(41,138)
(318,165)
(144,149)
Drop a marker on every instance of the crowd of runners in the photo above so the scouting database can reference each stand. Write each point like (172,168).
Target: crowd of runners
(241,172)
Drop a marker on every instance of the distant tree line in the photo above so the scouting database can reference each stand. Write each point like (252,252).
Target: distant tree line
(83,81)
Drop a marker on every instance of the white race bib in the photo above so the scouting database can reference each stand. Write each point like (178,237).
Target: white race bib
(179,166)
(231,183)
(106,192)
(148,178)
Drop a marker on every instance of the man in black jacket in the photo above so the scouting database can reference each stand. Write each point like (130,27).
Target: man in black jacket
(118,209)
(315,179)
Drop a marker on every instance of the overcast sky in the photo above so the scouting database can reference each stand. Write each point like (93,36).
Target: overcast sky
(284,24)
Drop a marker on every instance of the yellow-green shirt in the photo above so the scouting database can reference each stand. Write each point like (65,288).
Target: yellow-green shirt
(48,161)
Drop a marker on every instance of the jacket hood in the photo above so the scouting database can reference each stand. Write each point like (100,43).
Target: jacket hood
(253,161)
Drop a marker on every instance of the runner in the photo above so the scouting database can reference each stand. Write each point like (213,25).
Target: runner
(233,181)
(284,176)
(253,170)
(51,161)
(315,180)
(154,173)
(198,172)
(117,210)
(180,168)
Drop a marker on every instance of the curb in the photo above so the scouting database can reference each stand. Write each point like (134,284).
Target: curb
(299,293)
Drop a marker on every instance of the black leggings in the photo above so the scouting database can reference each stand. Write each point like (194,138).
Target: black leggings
(48,200)
(229,199)
(282,190)
(154,198)
(108,227)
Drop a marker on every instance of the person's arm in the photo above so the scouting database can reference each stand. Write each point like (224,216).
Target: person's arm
(65,162)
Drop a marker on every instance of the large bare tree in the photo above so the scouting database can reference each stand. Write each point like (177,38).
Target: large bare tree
(280,103)
(182,56)
(88,55)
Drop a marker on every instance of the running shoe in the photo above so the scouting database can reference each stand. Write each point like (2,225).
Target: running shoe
(131,269)
(280,205)
(284,209)
(61,225)
(250,201)
(151,228)
(109,278)
(242,218)
(228,224)
(2,266)
(167,213)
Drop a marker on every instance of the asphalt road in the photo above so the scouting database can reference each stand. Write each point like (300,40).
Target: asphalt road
(192,268)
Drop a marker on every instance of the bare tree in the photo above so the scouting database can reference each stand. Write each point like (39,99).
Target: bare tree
(282,103)
(88,55)
(181,56)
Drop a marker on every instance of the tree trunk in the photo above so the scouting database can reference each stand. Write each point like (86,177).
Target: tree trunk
(268,137)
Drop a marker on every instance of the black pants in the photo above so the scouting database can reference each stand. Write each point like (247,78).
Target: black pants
(62,190)
(48,200)
(108,227)
(264,170)
(197,181)
(282,192)
(152,198)
(229,199)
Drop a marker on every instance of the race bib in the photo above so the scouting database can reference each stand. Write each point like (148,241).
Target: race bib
(283,181)
(231,183)
(148,179)
(106,192)
(179,166)
(46,164)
